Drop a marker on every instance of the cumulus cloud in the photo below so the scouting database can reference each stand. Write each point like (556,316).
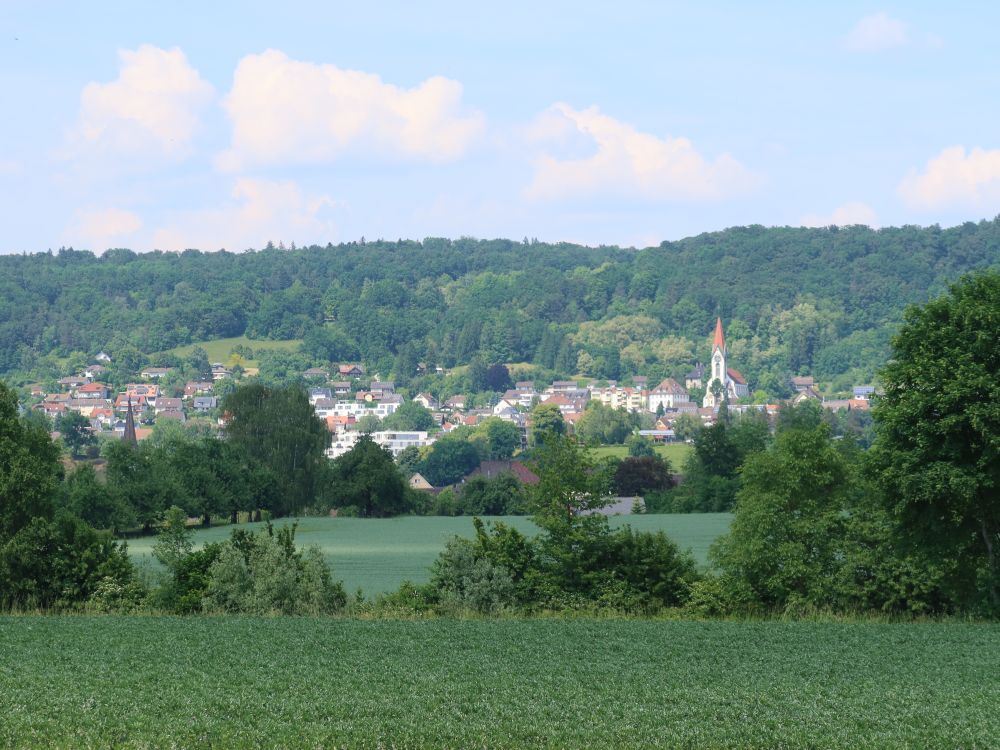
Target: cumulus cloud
(152,109)
(875,33)
(623,161)
(258,211)
(286,111)
(849,214)
(99,229)
(955,178)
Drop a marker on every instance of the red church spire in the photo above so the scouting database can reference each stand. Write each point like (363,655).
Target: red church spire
(720,340)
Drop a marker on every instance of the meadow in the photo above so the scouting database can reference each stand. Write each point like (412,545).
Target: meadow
(218,349)
(675,453)
(137,682)
(377,555)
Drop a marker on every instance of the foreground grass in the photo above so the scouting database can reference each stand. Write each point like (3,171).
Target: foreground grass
(78,682)
(377,555)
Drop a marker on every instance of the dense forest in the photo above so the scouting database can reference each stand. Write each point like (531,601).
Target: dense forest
(795,301)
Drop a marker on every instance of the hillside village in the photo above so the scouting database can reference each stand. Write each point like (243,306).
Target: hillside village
(347,400)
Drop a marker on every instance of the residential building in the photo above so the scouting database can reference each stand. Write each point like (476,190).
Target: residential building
(669,394)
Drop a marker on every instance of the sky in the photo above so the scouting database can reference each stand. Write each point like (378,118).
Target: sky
(227,125)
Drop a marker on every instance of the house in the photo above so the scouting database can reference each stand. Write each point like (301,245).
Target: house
(197,388)
(97,391)
(524,398)
(94,371)
(807,394)
(350,371)
(382,388)
(426,400)
(204,404)
(695,378)
(74,381)
(455,403)
(315,394)
(640,381)
(148,393)
(803,382)
(667,395)
(490,469)
(316,372)
(220,371)
(724,382)
(139,402)
(168,404)
(36,391)
(102,357)
(864,392)
(53,408)
(338,423)
(341,387)
(561,386)
(630,399)
(154,373)
(417,482)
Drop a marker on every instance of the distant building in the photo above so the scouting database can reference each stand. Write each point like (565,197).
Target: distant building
(723,381)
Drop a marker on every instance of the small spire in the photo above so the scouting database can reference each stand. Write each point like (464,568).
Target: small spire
(129,436)
(720,340)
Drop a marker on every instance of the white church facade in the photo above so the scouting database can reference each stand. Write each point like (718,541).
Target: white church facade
(723,382)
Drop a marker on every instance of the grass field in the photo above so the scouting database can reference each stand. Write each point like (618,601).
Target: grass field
(139,682)
(676,453)
(377,555)
(218,349)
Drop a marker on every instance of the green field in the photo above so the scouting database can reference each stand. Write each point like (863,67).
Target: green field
(376,555)
(139,682)
(676,453)
(218,349)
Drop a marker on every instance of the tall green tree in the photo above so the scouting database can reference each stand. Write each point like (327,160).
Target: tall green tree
(277,427)
(936,455)
(366,478)
(29,468)
(76,432)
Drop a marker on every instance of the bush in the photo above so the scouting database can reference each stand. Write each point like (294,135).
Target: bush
(265,574)
(59,564)
(465,579)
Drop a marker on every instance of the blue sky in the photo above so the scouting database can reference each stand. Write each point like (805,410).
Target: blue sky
(629,123)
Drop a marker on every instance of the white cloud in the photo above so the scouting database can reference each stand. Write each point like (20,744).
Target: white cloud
(626,162)
(99,229)
(849,214)
(876,32)
(286,111)
(151,109)
(955,178)
(259,211)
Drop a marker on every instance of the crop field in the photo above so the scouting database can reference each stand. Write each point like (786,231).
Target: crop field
(377,555)
(137,682)
(218,349)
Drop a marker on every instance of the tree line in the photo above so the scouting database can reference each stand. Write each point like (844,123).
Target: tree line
(824,301)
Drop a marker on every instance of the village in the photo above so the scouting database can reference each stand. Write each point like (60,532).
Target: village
(351,404)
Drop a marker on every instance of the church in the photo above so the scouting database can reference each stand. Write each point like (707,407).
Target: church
(724,383)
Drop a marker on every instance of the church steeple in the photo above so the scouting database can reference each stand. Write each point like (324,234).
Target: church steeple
(717,385)
(720,339)
(129,436)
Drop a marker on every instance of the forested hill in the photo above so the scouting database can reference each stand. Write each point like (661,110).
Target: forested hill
(794,300)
